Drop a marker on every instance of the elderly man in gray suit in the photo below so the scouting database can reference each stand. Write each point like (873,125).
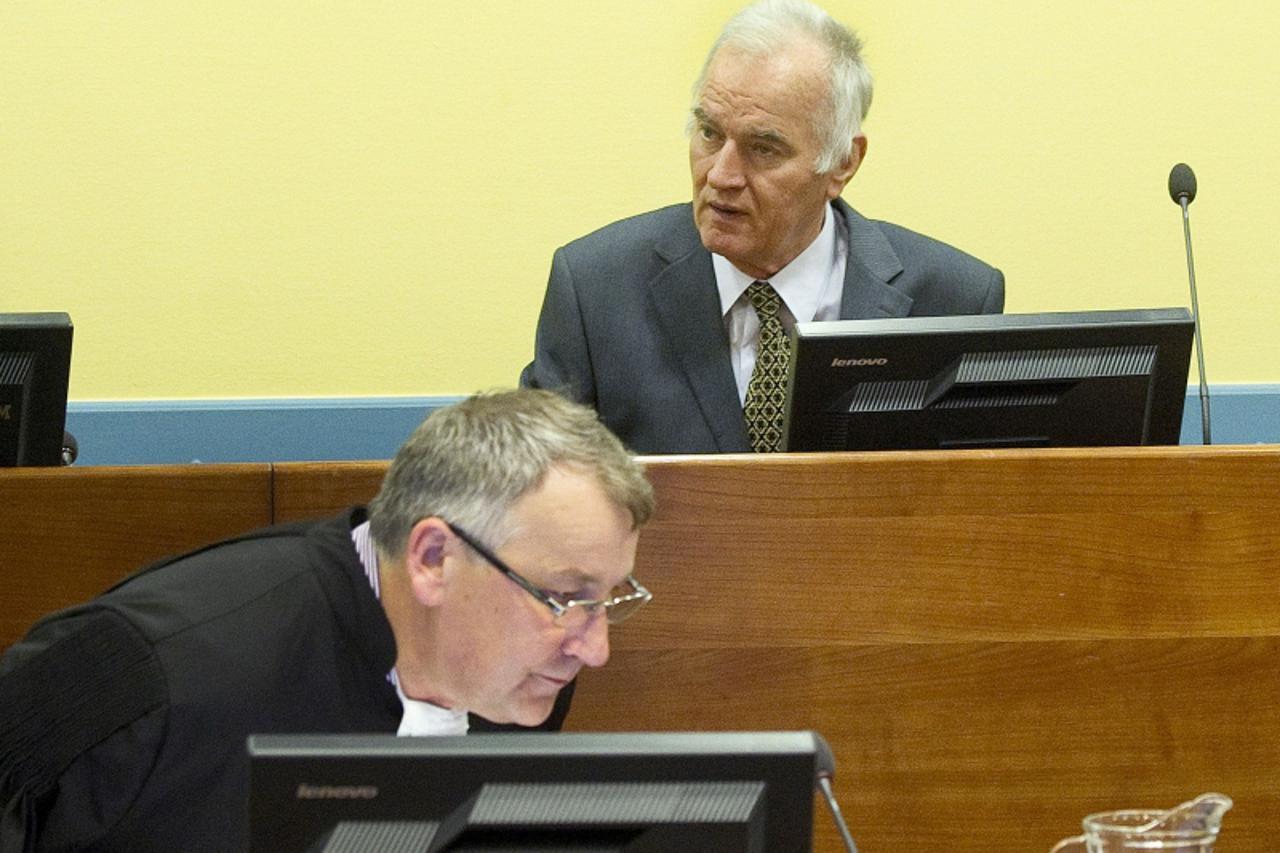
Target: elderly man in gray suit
(660,321)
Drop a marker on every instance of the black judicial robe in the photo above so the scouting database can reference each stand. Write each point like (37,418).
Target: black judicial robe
(123,721)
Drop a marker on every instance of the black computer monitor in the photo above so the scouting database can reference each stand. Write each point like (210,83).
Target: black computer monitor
(748,792)
(35,364)
(1003,380)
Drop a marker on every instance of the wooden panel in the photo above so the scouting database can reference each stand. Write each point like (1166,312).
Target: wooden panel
(983,746)
(966,546)
(68,534)
(994,643)
(319,489)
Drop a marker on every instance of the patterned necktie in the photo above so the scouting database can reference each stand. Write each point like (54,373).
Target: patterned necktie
(767,390)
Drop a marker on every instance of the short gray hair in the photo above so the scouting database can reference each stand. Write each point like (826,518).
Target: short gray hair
(769,25)
(469,462)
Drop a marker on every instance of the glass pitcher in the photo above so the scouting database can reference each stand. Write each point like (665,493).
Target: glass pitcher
(1188,828)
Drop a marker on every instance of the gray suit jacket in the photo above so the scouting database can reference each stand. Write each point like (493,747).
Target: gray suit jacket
(631,321)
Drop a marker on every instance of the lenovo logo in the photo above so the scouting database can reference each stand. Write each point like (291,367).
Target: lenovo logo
(859,362)
(336,792)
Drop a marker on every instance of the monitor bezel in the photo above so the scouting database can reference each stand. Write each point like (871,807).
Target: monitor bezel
(805,397)
(48,336)
(786,761)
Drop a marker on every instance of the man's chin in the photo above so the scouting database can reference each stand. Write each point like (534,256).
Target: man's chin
(526,707)
(731,250)
(718,241)
(532,713)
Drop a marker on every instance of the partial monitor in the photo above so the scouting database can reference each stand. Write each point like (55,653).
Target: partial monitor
(35,364)
(747,792)
(997,380)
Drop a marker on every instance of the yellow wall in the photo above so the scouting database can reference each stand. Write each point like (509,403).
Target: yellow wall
(255,198)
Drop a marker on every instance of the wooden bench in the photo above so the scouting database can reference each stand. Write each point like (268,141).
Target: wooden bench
(994,643)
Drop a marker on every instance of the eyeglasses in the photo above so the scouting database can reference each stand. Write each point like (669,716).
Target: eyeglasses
(623,601)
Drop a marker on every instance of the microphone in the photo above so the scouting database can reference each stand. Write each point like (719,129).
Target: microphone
(1182,189)
(825,772)
(70,448)
(1182,184)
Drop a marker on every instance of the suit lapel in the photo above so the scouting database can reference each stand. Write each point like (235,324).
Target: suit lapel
(872,265)
(688,308)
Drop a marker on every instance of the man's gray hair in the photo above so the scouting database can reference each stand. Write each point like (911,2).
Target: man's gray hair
(766,27)
(469,462)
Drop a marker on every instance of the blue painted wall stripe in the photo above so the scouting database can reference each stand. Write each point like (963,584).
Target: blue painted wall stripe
(176,431)
(150,432)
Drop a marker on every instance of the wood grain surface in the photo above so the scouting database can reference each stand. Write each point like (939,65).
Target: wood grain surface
(995,643)
(67,534)
(320,489)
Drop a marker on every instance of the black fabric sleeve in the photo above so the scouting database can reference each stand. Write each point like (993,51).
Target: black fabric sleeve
(76,679)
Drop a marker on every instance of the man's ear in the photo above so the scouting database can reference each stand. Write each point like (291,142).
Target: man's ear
(846,170)
(429,541)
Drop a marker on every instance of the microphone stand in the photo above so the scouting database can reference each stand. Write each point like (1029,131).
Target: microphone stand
(1195,311)
(824,785)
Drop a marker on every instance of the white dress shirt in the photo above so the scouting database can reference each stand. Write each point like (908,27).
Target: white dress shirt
(810,288)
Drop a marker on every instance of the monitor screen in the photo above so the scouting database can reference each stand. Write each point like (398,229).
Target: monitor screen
(35,364)
(997,380)
(674,793)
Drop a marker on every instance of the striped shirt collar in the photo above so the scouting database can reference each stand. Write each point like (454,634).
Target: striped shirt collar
(419,718)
